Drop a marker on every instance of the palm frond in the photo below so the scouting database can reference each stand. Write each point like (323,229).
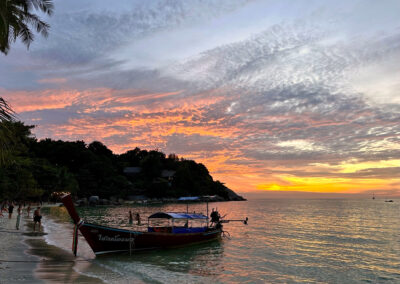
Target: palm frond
(4,42)
(16,18)
(7,115)
(6,138)
(25,34)
(6,112)
(46,6)
(40,26)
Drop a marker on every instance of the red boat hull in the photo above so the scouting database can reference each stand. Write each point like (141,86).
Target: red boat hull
(104,239)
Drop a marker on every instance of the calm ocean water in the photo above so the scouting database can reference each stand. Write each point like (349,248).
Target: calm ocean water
(286,241)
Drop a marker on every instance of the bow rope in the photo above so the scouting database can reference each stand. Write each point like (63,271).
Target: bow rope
(75,236)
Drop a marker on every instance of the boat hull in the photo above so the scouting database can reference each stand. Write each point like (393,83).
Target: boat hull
(111,240)
(103,239)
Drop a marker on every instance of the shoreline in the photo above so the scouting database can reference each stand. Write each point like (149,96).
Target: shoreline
(26,257)
(83,202)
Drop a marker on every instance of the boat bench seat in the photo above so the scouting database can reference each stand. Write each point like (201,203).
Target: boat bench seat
(180,230)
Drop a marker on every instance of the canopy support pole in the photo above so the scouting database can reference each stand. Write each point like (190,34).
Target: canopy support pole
(207,215)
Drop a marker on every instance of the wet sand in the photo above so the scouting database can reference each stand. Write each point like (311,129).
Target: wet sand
(16,266)
(56,266)
(25,257)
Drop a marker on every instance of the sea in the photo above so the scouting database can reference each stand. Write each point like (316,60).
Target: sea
(285,241)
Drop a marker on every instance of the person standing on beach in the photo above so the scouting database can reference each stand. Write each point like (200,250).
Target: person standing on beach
(19,211)
(130,218)
(10,210)
(138,219)
(28,209)
(3,208)
(37,218)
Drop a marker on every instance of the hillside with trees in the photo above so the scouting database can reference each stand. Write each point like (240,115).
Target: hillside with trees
(33,170)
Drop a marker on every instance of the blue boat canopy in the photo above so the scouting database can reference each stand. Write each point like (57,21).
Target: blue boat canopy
(166,215)
(189,198)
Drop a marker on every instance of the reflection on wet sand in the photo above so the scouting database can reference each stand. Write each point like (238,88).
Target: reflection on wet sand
(56,265)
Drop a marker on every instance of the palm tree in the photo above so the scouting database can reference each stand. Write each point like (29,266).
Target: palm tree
(6,115)
(15,18)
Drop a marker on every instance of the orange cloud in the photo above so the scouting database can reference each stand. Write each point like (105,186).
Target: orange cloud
(23,101)
(125,119)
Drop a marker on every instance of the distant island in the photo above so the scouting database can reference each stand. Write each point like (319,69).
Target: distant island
(36,170)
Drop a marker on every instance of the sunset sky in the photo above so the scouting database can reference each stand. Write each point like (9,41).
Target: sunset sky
(270,95)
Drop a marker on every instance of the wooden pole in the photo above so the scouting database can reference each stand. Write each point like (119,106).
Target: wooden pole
(130,243)
(207,216)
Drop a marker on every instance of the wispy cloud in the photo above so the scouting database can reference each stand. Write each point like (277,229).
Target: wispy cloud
(301,100)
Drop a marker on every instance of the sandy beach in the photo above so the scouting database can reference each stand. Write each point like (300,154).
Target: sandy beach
(16,265)
(25,257)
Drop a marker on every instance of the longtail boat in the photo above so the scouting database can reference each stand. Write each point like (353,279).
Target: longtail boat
(103,239)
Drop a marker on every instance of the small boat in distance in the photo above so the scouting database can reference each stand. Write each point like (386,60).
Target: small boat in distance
(165,230)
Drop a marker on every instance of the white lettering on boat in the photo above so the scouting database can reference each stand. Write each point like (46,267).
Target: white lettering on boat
(116,238)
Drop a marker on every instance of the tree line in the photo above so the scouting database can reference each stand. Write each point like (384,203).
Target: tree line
(33,169)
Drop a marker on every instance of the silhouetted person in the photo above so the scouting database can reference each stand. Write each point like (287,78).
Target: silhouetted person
(137,219)
(214,216)
(37,218)
(19,211)
(3,208)
(28,209)
(130,217)
(10,210)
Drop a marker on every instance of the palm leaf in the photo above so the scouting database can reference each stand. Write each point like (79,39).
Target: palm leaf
(46,6)
(6,113)
(40,26)
(25,34)
(6,116)
(16,18)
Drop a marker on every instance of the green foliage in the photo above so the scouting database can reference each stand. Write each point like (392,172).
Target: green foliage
(152,164)
(6,135)
(16,19)
(39,168)
(19,181)
(100,149)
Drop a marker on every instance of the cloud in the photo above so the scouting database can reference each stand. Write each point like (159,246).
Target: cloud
(88,39)
(52,81)
(276,101)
